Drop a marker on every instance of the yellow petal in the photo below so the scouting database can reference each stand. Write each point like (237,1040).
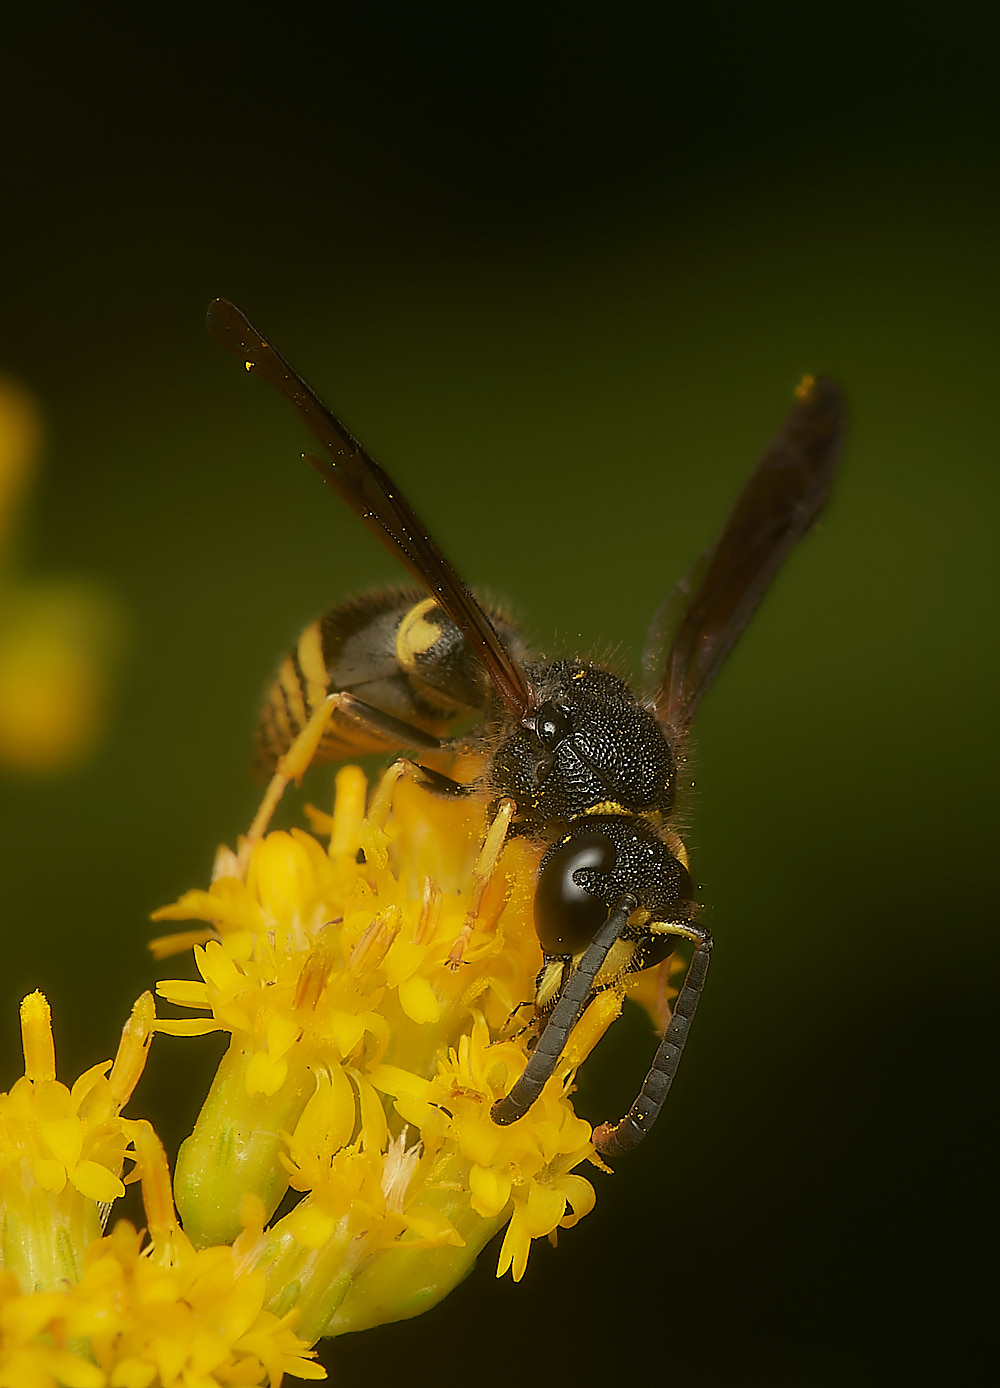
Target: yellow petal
(419,1001)
(96,1182)
(264,1075)
(490,1190)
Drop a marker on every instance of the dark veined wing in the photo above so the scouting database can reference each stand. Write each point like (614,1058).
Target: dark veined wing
(779,504)
(371,494)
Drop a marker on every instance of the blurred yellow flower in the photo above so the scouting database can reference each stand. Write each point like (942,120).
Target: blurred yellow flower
(58,638)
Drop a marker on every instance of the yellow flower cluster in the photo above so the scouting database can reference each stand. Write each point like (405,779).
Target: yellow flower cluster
(92,1312)
(364,985)
(345,1170)
(190,1320)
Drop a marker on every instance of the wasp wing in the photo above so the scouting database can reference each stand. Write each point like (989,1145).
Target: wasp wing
(373,496)
(779,504)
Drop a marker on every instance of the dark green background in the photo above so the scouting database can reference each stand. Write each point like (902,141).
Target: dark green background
(560,267)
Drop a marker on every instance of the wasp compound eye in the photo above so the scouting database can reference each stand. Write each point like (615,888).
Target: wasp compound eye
(567,916)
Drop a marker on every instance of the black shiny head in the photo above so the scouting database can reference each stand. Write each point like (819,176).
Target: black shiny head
(599,860)
(567,915)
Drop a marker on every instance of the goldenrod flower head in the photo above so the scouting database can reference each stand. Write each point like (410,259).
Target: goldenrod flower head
(365,993)
(345,1170)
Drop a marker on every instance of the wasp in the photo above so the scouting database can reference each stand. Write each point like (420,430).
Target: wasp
(590,766)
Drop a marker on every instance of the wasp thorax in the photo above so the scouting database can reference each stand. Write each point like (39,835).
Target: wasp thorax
(586,744)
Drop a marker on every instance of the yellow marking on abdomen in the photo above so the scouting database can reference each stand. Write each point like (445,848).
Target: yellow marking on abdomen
(313,665)
(415,635)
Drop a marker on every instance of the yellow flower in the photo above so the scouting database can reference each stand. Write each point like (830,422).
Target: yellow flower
(58,637)
(365,994)
(62,1151)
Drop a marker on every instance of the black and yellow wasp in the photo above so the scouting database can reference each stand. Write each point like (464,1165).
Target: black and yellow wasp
(590,766)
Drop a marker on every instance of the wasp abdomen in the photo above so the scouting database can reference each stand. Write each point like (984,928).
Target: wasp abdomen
(396,650)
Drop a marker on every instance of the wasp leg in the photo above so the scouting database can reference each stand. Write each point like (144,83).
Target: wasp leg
(510,1018)
(293,765)
(564,1018)
(376,720)
(437,782)
(400,734)
(615,1139)
(290,767)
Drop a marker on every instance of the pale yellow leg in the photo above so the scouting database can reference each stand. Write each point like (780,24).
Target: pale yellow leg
(291,767)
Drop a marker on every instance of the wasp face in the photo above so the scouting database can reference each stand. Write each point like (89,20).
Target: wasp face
(586,746)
